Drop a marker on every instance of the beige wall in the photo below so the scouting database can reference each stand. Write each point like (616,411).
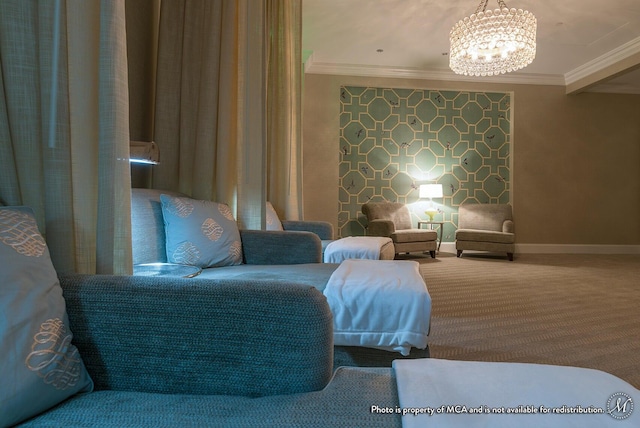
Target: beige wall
(576,158)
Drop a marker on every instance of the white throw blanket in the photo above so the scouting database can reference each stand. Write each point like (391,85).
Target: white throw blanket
(380,304)
(470,394)
(355,247)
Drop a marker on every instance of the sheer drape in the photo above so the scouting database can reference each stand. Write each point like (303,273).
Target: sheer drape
(64,137)
(284,117)
(212,121)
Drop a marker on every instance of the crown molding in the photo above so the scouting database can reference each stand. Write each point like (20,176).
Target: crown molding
(609,59)
(313,67)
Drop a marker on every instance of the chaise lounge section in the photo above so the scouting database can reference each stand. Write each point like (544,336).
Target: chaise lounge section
(271,255)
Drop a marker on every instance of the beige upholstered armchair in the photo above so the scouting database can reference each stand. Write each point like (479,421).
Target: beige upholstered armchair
(485,227)
(392,219)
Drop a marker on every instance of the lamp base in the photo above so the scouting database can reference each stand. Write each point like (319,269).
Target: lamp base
(431,213)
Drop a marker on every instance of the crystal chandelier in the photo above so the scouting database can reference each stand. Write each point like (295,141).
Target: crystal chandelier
(492,42)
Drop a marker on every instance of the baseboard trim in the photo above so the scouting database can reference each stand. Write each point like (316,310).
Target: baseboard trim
(576,249)
(450,247)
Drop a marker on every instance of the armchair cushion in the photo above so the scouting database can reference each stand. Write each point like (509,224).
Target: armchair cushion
(414,235)
(396,212)
(40,367)
(484,216)
(485,235)
(380,227)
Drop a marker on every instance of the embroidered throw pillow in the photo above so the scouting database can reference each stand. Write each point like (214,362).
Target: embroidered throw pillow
(200,233)
(39,366)
(273,221)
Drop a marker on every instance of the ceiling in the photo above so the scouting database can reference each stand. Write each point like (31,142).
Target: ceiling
(584,45)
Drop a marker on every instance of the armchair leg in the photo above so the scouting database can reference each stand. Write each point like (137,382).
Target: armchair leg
(433,254)
(510,256)
(459,253)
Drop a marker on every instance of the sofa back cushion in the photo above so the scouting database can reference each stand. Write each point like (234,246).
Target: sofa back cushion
(273,221)
(39,365)
(396,212)
(484,216)
(200,233)
(147,226)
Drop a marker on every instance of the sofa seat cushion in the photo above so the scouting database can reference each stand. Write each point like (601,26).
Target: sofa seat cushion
(345,401)
(314,274)
(414,235)
(485,236)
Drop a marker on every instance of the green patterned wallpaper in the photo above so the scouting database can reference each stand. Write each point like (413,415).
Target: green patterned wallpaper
(393,140)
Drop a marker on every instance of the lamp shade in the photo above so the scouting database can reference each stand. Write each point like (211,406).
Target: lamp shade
(431,191)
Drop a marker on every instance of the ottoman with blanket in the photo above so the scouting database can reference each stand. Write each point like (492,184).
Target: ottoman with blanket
(359,247)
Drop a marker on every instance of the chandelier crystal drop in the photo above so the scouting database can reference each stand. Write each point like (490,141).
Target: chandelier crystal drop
(493,42)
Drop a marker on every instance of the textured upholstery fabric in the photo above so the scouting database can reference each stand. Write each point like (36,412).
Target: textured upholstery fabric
(190,336)
(39,365)
(345,402)
(392,219)
(200,233)
(485,227)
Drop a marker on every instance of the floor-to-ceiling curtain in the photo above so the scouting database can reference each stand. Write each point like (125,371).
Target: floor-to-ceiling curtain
(213,122)
(284,114)
(64,130)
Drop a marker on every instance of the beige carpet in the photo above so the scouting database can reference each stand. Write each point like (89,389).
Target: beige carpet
(578,310)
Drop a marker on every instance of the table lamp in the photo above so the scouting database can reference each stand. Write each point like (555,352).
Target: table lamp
(430,191)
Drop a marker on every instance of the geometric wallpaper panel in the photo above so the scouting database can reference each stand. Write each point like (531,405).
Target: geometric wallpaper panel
(393,140)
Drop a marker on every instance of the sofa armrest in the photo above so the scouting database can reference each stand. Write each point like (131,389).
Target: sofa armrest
(507,226)
(273,247)
(200,336)
(323,229)
(380,228)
